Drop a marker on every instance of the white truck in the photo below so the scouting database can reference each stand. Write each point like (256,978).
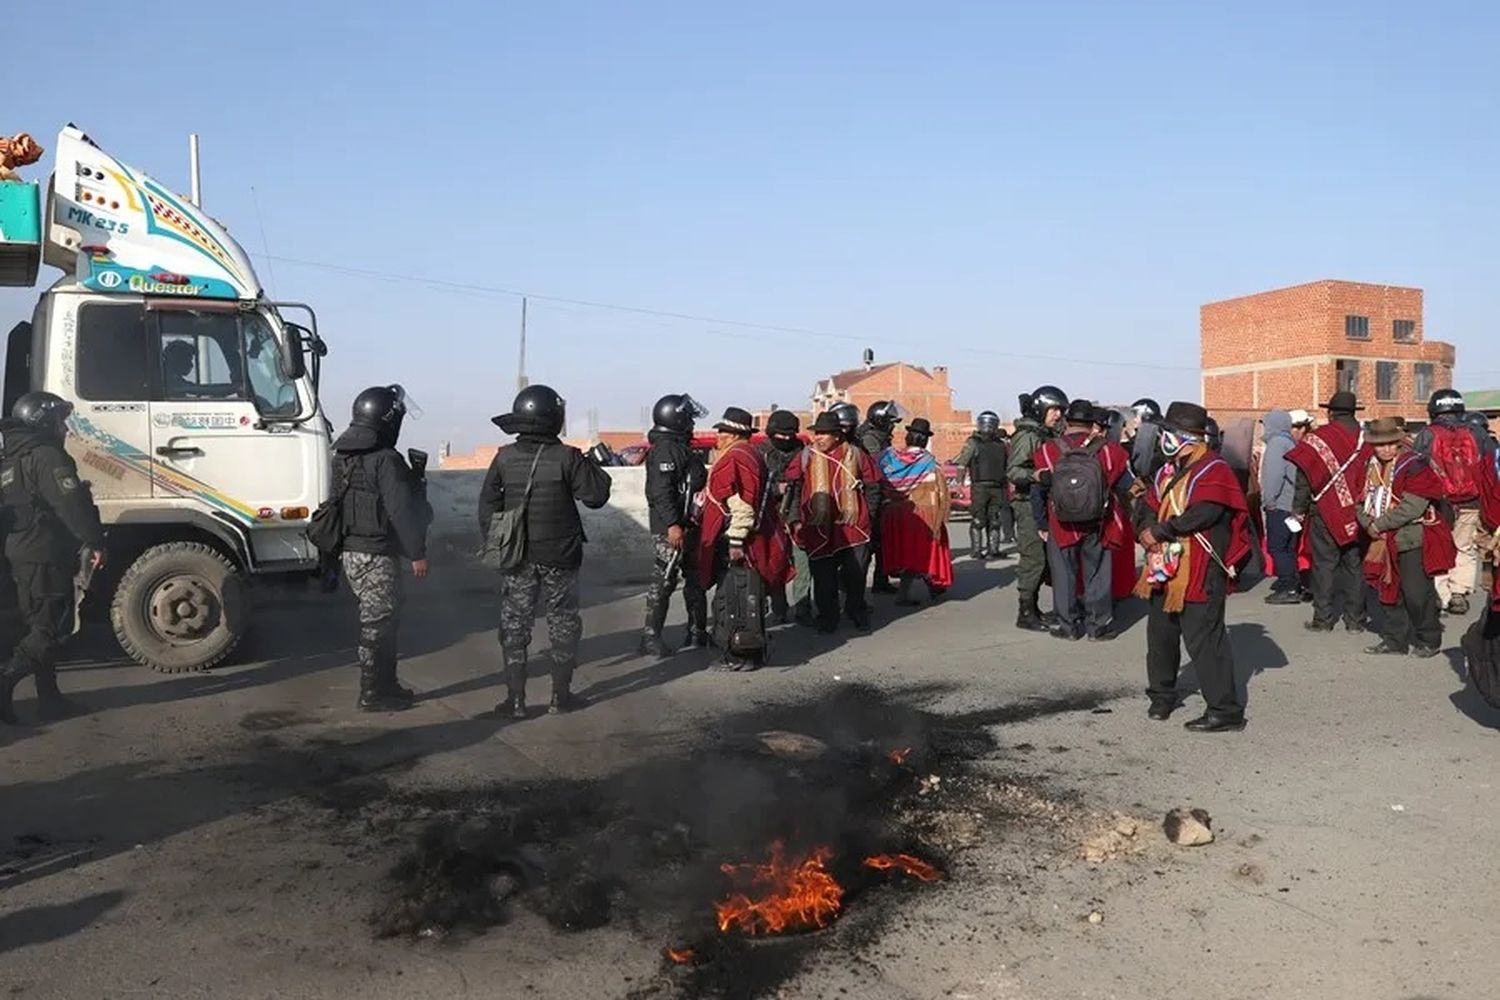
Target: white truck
(196,414)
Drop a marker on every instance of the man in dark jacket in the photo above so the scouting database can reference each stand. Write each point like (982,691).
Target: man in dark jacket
(875,436)
(385,519)
(782,447)
(548,479)
(983,459)
(674,475)
(53,525)
(1278,490)
(1041,416)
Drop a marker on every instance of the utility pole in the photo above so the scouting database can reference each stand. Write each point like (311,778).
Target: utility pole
(197,180)
(521,380)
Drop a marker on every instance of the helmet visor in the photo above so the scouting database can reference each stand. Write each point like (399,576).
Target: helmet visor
(406,404)
(694,408)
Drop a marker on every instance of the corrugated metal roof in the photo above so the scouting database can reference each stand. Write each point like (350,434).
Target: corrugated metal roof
(1484,399)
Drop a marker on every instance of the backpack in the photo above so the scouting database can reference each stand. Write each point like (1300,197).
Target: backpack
(505,543)
(1481,647)
(325,530)
(1455,459)
(1078,488)
(742,626)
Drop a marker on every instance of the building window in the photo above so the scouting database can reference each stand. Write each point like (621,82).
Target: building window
(1346,374)
(1386,375)
(1357,327)
(1421,382)
(1404,331)
(114,353)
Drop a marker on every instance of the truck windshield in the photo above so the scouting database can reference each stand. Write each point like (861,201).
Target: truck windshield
(224,355)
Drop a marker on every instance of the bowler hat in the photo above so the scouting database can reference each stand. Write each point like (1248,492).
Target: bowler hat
(1186,418)
(1384,430)
(783,422)
(1080,411)
(921,425)
(827,423)
(736,421)
(1343,401)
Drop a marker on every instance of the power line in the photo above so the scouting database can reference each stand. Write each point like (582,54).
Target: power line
(463,286)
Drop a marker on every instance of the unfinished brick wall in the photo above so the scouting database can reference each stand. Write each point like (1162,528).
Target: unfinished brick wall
(1281,349)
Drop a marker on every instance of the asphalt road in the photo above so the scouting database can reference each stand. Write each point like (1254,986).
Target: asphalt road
(219,835)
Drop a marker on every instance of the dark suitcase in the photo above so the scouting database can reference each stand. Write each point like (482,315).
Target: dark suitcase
(742,625)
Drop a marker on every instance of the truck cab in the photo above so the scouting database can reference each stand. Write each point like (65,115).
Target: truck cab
(196,416)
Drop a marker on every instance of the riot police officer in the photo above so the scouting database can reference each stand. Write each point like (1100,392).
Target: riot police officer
(1145,456)
(53,529)
(875,436)
(1041,416)
(545,479)
(847,415)
(984,458)
(674,475)
(385,519)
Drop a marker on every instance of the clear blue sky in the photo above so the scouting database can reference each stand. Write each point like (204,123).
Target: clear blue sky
(968,184)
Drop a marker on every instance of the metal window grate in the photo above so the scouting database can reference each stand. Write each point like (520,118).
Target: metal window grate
(1404,330)
(1357,327)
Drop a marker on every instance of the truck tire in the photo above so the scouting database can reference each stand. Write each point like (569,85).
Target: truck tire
(179,607)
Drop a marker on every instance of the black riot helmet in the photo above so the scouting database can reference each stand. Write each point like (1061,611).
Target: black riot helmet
(884,414)
(43,412)
(538,409)
(1446,402)
(987,422)
(848,416)
(1047,397)
(1146,410)
(676,413)
(1478,421)
(382,408)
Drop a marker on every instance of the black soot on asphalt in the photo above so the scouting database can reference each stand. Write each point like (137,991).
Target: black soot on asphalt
(789,829)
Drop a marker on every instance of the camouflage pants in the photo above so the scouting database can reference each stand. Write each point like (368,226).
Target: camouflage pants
(557,589)
(664,584)
(376,582)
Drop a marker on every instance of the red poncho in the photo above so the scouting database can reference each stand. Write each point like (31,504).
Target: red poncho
(1412,476)
(740,471)
(834,515)
(1489,513)
(1114,528)
(1208,480)
(1333,460)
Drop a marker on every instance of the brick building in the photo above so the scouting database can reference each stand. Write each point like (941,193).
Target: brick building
(1295,347)
(923,392)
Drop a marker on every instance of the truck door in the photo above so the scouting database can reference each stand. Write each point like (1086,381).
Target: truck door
(218,381)
(97,354)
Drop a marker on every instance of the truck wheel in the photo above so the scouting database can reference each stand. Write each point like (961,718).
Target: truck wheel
(180,607)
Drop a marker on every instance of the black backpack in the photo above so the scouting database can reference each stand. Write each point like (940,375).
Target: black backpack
(742,626)
(326,528)
(1078,488)
(1481,646)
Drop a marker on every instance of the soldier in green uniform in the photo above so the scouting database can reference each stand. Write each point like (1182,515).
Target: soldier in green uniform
(1041,413)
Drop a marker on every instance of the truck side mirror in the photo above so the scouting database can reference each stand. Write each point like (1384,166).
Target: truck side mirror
(293,356)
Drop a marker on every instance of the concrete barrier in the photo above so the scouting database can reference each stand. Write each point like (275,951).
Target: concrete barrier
(619,537)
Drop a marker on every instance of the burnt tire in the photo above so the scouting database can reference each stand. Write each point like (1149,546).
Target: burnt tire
(180,607)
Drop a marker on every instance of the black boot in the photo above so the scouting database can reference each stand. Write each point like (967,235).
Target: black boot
(371,696)
(9,678)
(388,685)
(977,547)
(514,705)
(1029,618)
(804,613)
(563,699)
(51,705)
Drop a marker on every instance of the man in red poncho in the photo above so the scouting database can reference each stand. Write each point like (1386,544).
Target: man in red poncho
(1410,542)
(1078,509)
(1193,522)
(834,486)
(1331,465)
(739,526)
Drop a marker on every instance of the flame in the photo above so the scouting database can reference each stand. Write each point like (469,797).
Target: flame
(915,867)
(898,757)
(682,956)
(789,895)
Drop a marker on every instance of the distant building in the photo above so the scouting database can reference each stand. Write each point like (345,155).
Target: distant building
(481,457)
(1295,347)
(1486,401)
(923,392)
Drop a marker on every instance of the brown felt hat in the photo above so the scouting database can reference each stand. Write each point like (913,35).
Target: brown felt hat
(1384,430)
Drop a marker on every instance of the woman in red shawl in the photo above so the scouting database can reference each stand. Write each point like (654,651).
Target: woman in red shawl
(1193,522)
(1410,543)
(914,518)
